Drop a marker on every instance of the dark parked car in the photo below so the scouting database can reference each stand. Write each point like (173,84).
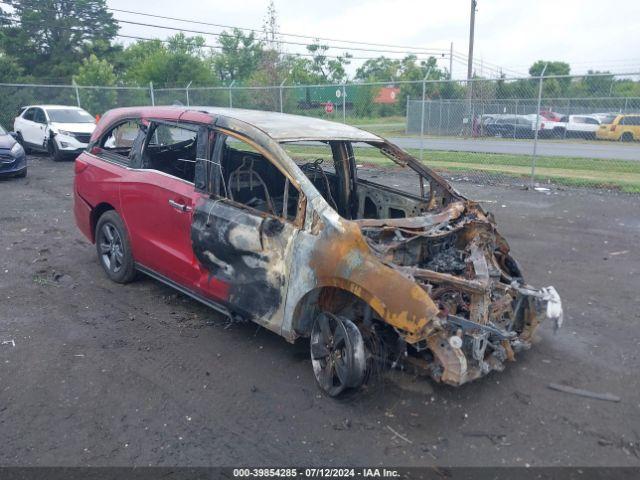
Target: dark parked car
(514,126)
(230,207)
(13,160)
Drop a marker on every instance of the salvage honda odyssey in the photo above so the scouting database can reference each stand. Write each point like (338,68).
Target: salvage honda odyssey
(266,217)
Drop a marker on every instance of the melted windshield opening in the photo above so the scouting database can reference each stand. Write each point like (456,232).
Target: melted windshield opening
(351,177)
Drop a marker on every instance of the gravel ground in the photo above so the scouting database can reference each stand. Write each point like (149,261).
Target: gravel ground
(95,373)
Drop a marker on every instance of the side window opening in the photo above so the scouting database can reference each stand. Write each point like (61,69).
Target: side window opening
(324,165)
(38,116)
(171,149)
(119,140)
(249,178)
(119,143)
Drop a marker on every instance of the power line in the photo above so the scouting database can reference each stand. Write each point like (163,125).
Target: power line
(432,53)
(279,33)
(429,51)
(218,47)
(219,34)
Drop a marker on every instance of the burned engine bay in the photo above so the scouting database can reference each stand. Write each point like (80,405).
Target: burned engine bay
(486,311)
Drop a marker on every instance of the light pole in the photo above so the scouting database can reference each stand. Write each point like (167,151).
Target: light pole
(472,26)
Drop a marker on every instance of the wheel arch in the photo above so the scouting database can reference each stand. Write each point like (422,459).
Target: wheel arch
(324,298)
(96,213)
(340,294)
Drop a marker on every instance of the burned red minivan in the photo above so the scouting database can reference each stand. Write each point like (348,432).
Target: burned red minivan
(264,217)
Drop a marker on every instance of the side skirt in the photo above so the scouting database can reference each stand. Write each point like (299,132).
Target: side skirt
(206,301)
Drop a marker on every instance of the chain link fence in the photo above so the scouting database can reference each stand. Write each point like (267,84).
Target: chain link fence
(562,130)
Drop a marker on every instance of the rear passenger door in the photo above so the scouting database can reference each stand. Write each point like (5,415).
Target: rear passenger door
(33,125)
(158,199)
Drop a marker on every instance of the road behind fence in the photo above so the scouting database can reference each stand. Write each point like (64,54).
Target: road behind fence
(567,130)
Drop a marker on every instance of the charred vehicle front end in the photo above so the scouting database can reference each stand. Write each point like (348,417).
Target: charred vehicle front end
(440,293)
(485,311)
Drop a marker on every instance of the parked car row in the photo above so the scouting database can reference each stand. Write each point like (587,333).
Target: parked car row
(602,126)
(59,130)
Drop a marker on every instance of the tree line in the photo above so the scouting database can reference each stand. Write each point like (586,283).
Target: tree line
(64,41)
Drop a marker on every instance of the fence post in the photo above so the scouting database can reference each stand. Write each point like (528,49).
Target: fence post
(187,92)
(344,104)
(424,94)
(406,122)
(153,98)
(281,104)
(231,94)
(75,86)
(626,101)
(535,134)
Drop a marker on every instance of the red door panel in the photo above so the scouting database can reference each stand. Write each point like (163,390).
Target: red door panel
(158,209)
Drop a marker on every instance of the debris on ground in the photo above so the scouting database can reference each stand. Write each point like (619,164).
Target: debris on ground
(399,435)
(584,393)
(615,254)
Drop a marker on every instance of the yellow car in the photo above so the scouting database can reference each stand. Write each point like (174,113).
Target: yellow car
(625,128)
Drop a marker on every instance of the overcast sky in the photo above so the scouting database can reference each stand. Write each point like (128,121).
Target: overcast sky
(589,34)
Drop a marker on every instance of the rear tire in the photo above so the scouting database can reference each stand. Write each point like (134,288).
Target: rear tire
(626,137)
(114,248)
(27,150)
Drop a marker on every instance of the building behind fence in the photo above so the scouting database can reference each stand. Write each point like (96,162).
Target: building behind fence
(441,121)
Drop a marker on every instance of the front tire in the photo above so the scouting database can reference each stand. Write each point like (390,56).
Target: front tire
(56,154)
(114,248)
(338,354)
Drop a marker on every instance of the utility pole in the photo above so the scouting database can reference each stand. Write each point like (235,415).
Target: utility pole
(472,26)
(451,61)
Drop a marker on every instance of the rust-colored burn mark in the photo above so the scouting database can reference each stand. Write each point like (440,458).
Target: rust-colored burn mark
(346,262)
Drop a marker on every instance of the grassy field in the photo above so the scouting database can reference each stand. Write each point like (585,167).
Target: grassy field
(623,175)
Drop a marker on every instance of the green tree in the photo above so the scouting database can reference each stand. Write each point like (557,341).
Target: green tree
(325,69)
(598,85)
(380,69)
(175,63)
(99,73)
(553,87)
(240,56)
(49,38)
(412,70)
(12,98)
(10,70)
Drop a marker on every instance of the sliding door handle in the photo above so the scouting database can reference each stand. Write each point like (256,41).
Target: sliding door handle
(180,206)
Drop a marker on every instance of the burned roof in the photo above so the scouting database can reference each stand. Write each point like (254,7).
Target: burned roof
(284,127)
